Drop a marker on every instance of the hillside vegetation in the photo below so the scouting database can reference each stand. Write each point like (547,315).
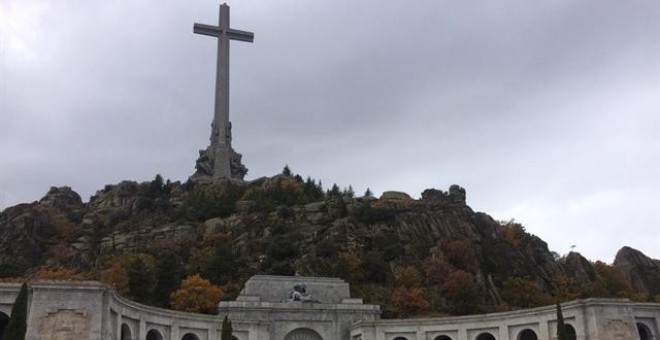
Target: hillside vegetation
(432,256)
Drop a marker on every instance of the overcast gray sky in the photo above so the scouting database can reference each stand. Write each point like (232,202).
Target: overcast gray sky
(546,111)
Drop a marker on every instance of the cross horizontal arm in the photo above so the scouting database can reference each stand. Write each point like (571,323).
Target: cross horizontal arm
(213,31)
(240,35)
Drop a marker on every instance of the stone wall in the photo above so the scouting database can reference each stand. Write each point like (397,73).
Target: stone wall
(592,319)
(90,310)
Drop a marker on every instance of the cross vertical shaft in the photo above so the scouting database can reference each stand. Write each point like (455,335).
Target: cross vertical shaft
(220,126)
(220,154)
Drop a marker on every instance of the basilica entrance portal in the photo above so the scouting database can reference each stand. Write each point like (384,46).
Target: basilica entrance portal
(303,334)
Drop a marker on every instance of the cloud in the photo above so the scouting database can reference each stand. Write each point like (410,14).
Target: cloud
(545,111)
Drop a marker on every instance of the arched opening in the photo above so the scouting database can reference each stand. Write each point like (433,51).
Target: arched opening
(400,338)
(4,319)
(485,336)
(190,336)
(154,335)
(570,332)
(527,334)
(643,331)
(442,337)
(303,334)
(126,333)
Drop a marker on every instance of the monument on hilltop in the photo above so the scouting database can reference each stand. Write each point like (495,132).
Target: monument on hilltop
(220,160)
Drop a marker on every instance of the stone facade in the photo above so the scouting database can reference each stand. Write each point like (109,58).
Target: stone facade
(269,308)
(268,305)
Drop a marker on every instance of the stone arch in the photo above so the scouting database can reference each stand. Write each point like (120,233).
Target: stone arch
(303,334)
(154,335)
(4,319)
(125,332)
(442,337)
(644,332)
(527,334)
(190,336)
(485,336)
(570,332)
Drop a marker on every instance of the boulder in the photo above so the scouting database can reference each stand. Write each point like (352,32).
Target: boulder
(457,194)
(61,197)
(315,207)
(245,206)
(395,196)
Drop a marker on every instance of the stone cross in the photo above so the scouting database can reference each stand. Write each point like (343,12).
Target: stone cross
(218,156)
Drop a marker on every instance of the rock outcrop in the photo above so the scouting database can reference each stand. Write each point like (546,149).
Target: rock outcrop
(62,197)
(642,272)
(284,225)
(579,268)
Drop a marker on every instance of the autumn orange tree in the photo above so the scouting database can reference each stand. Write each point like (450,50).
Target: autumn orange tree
(436,270)
(460,254)
(407,276)
(610,283)
(567,288)
(410,300)
(523,293)
(57,274)
(196,295)
(408,297)
(116,277)
(461,292)
(349,267)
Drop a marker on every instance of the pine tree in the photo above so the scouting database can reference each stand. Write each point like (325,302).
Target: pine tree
(368,193)
(286,171)
(156,186)
(140,281)
(334,191)
(168,278)
(349,192)
(17,325)
(226,329)
(561,329)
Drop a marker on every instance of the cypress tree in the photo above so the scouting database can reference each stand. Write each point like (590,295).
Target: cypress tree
(226,329)
(17,325)
(561,329)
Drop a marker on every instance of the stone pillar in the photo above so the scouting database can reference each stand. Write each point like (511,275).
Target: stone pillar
(118,327)
(174,330)
(142,328)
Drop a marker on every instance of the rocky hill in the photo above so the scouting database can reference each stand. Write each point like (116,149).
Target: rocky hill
(429,256)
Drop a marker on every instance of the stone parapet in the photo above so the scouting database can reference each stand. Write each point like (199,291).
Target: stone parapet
(92,310)
(591,319)
(273,288)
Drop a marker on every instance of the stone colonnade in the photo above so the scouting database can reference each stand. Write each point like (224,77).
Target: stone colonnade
(590,319)
(91,310)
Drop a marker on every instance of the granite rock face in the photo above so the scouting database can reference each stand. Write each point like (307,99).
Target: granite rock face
(579,268)
(22,231)
(62,197)
(273,225)
(640,270)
